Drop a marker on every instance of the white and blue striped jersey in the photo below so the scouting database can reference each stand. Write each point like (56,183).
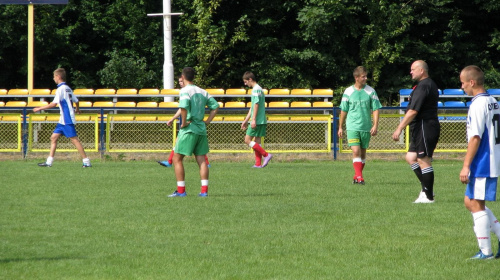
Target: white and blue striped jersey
(483,120)
(65,98)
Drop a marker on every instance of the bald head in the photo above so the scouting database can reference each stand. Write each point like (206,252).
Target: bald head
(419,70)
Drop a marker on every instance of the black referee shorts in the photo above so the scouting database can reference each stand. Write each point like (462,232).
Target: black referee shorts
(424,136)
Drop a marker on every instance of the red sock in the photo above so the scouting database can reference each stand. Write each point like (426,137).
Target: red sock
(206,160)
(258,158)
(259,149)
(358,168)
(171,156)
(181,189)
(204,189)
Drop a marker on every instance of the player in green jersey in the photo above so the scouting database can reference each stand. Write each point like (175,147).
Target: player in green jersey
(258,122)
(358,103)
(192,136)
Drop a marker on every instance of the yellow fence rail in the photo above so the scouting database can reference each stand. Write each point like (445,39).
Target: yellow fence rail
(452,138)
(285,133)
(41,126)
(10,132)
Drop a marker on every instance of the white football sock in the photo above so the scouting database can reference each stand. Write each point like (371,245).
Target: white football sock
(482,230)
(50,160)
(495,225)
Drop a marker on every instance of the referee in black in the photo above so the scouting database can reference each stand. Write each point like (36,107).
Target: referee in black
(421,115)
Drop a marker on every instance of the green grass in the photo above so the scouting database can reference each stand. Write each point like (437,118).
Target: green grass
(287,221)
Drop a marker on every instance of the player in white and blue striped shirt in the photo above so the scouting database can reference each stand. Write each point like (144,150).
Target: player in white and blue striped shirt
(482,160)
(66,126)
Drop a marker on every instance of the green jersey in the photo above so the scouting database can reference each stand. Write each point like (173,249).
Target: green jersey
(194,100)
(359,105)
(258,98)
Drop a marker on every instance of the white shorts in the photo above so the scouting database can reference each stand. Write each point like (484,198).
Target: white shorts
(482,188)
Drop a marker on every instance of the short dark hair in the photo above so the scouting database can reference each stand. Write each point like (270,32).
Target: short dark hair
(61,73)
(249,75)
(188,73)
(473,72)
(358,71)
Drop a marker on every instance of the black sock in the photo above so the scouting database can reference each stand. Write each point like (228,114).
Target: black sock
(428,182)
(416,168)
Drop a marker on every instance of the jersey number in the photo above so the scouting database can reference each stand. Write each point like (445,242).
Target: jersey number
(496,122)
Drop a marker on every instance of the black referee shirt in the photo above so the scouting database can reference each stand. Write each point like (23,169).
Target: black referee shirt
(424,99)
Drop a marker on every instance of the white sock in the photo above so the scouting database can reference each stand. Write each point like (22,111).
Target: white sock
(86,160)
(482,230)
(204,182)
(50,160)
(252,144)
(494,224)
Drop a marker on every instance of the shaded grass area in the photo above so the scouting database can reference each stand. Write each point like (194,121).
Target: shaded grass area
(302,220)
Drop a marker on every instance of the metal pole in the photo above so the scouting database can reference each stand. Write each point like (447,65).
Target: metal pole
(334,133)
(24,134)
(31,44)
(168,66)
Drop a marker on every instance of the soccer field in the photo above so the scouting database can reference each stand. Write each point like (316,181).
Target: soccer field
(300,220)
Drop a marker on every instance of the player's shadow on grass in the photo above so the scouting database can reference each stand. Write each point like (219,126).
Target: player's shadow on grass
(17,260)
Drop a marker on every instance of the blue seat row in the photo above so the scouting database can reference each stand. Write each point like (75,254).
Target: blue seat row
(445,104)
(455,92)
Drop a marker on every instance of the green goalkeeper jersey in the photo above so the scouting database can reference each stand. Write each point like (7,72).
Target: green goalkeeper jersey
(259,98)
(194,100)
(359,105)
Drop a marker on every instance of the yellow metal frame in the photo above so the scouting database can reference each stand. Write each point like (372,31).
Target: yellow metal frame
(329,145)
(19,133)
(407,139)
(96,134)
(108,131)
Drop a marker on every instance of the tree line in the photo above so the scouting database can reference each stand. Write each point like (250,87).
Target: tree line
(290,44)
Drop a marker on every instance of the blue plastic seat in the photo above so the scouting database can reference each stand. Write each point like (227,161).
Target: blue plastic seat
(467,104)
(494,91)
(440,104)
(405,91)
(453,92)
(456,118)
(454,104)
(404,104)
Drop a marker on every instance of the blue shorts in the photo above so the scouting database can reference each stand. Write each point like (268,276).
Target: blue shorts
(482,188)
(67,130)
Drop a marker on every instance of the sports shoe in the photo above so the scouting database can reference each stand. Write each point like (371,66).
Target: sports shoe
(44,165)
(481,256)
(165,163)
(422,198)
(267,159)
(203,194)
(85,165)
(358,180)
(177,194)
(497,256)
(257,166)
(208,165)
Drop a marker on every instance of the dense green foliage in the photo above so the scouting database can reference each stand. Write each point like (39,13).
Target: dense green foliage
(290,220)
(294,44)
